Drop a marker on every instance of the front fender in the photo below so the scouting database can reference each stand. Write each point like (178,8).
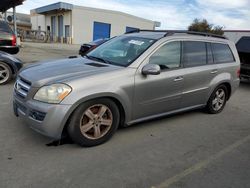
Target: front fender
(124,101)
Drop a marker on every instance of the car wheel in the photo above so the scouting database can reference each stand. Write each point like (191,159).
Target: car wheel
(5,73)
(217,100)
(94,122)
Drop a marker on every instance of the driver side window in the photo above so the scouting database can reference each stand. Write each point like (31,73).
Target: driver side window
(168,56)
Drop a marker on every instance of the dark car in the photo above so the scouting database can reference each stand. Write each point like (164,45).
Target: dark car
(243,48)
(7,39)
(9,67)
(85,48)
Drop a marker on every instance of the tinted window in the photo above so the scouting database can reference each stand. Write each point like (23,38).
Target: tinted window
(194,53)
(168,56)
(222,53)
(5,27)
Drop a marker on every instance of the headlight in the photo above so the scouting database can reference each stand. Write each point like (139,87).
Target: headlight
(54,93)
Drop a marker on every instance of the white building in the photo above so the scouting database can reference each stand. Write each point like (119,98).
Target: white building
(77,24)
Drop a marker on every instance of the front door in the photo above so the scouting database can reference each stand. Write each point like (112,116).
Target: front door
(157,94)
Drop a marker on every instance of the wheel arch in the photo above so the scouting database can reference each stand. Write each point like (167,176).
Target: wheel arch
(225,83)
(120,105)
(10,65)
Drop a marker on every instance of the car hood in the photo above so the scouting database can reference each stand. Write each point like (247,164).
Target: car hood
(40,74)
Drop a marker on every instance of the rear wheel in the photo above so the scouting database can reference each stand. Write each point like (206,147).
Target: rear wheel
(217,100)
(94,122)
(5,73)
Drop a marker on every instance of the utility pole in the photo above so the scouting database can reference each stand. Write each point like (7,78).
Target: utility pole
(14,21)
(5,16)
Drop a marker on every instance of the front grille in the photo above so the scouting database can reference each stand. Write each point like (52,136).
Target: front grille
(22,87)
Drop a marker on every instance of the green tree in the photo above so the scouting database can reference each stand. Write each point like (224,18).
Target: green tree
(204,26)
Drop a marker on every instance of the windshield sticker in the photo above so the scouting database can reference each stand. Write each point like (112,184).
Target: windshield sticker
(136,42)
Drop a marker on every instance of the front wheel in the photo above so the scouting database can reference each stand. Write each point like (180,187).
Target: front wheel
(217,100)
(94,122)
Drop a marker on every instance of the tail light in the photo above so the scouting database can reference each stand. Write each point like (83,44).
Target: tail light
(13,42)
(238,73)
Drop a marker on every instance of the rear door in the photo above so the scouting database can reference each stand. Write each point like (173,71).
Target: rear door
(199,70)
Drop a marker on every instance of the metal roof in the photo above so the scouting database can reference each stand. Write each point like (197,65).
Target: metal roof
(243,45)
(53,7)
(7,4)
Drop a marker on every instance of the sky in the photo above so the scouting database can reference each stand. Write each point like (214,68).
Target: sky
(173,14)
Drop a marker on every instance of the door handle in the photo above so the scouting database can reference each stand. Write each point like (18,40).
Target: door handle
(179,78)
(214,71)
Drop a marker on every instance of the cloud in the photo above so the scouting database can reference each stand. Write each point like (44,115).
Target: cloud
(233,14)
(224,4)
(173,14)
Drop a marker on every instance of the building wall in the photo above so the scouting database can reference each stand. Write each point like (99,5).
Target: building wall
(236,35)
(37,20)
(83,23)
(45,20)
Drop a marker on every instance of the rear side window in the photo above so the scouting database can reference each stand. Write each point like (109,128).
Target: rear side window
(222,53)
(194,53)
(4,27)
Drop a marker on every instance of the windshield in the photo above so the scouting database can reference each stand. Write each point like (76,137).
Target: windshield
(121,51)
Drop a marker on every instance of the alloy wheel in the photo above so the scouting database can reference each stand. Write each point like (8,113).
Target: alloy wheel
(4,73)
(219,99)
(96,121)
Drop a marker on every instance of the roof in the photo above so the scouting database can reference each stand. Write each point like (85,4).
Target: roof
(20,17)
(243,45)
(157,34)
(54,7)
(7,4)
(68,6)
(115,12)
(147,35)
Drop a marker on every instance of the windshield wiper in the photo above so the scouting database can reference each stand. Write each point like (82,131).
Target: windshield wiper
(98,59)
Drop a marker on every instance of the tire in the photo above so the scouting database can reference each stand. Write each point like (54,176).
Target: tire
(5,73)
(94,122)
(217,100)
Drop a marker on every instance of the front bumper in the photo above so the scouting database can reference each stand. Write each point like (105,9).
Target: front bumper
(47,119)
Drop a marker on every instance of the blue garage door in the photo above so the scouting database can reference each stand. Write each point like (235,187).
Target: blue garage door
(128,29)
(53,26)
(60,26)
(101,30)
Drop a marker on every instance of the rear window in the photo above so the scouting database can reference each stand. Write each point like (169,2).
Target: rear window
(222,53)
(194,53)
(4,27)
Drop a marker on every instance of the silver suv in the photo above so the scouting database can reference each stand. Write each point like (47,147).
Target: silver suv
(131,78)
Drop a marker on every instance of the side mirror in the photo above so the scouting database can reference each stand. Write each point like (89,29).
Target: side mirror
(151,69)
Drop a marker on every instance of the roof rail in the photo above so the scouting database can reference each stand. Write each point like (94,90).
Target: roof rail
(172,32)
